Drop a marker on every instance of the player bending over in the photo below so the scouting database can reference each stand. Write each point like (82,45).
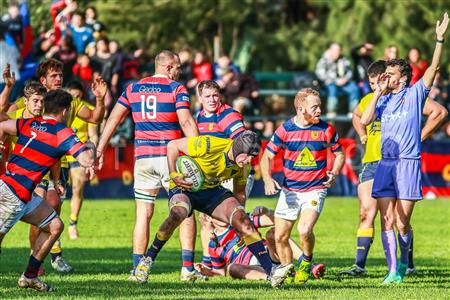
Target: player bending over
(305,140)
(219,159)
(42,141)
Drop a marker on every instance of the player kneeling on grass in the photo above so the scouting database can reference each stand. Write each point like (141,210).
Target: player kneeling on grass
(305,140)
(229,254)
(219,159)
(42,141)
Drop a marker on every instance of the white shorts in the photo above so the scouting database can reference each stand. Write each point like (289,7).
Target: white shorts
(151,173)
(291,204)
(12,209)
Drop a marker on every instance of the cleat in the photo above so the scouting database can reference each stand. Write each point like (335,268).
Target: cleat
(41,271)
(318,270)
(73,232)
(61,266)
(303,272)
(143,269)
(280,273)
(34,283)
(186,275)
(392,277)
(355,271)
(401,270)
(132,277)
(411,271)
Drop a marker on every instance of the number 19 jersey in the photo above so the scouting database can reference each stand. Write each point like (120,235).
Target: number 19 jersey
(153,102)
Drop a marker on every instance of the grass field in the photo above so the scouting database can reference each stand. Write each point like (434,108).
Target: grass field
(101,258)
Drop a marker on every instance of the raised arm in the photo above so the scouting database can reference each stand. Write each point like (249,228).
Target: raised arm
(441,28)
(99,89)
(369,113)
(435,114)
(9,79)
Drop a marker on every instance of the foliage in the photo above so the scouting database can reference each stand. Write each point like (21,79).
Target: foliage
(101,258)
(285,34)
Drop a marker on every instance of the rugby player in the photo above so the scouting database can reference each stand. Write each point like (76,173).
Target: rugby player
(220,120)
(49,73)
(41,143)
(305,140)
(160,109)
(78,175)
(397,183)
(219,159)
(231,256)
(370,136)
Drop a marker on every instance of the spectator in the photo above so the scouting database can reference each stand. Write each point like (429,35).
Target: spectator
(105,65)
(83,71)
(336,72)
(362,58)
(66,53)
(222,66)
(81,34)
(97,27)
(12,21)
(119,57)
(240,90)
(186,70)
(418,66)
(9,54)
(201,68)
(42,44)
(390,52)
(131,67)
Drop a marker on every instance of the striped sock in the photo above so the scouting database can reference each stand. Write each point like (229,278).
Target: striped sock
(73,220)
(206,261)
(155,247)
(187,257)
(256,247)
(33,267)
(56,250)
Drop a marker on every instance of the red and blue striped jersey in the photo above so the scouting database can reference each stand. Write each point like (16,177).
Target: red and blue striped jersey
(41,143)
(153,102)
(228,248)
(305,153)
(226,123)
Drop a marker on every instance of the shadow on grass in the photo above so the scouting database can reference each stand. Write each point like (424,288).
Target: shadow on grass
(102,272)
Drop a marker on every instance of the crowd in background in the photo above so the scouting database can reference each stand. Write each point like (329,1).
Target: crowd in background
(81,42)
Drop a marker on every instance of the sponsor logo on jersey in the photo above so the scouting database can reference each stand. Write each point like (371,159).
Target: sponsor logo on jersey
(38,127)
(149,89)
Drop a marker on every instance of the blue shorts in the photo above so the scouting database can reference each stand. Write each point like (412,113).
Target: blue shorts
(368,171)
(398,178)
(205,200)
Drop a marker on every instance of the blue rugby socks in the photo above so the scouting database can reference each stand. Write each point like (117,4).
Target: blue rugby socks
(156,246)
(364,239)
(33,267)
(187,257)
(256,246)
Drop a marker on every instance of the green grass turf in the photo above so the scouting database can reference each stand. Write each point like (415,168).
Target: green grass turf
(101,258)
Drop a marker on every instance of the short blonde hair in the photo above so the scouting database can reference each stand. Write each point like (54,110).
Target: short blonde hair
(303,94)
(34,88)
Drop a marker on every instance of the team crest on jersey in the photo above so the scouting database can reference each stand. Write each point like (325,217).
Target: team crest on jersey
(403,100)
(314,135)
(314,202)
(305,159)
(210,126)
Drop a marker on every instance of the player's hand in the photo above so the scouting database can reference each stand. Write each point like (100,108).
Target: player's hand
(363,139)
(259,210)
(60,190)
(90,172)
(271,187)
(99,162)
(382,84)
(99,88)
(331,179)
(8,77)
(2,146)
(441,27)
(179,181)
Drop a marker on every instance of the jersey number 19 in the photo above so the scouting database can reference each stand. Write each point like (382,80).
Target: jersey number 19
(148,107)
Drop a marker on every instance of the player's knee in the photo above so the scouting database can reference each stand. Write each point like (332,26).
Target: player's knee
(270,235)
(177,214)
(366,216)
(281,237)
(242,223)
(56,226)
(305,232)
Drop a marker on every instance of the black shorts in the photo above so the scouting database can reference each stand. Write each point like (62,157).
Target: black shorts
(205,200)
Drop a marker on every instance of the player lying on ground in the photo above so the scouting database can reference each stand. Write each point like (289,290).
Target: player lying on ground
(229,255)
(218,159)
(370,136)
(42,141)
(397,184)
(305,140)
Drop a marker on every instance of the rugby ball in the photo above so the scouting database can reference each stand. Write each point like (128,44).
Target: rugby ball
(191,172)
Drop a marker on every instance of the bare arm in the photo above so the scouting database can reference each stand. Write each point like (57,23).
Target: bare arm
(187,122)
(435,114)
(99,88)
(93,133)
(359,128)
(239,192)
(9,79)
(173,150)
(117,115)
(271,187)
(7,127)
(337,166)
(87,157)
(369,114)
(441,28)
